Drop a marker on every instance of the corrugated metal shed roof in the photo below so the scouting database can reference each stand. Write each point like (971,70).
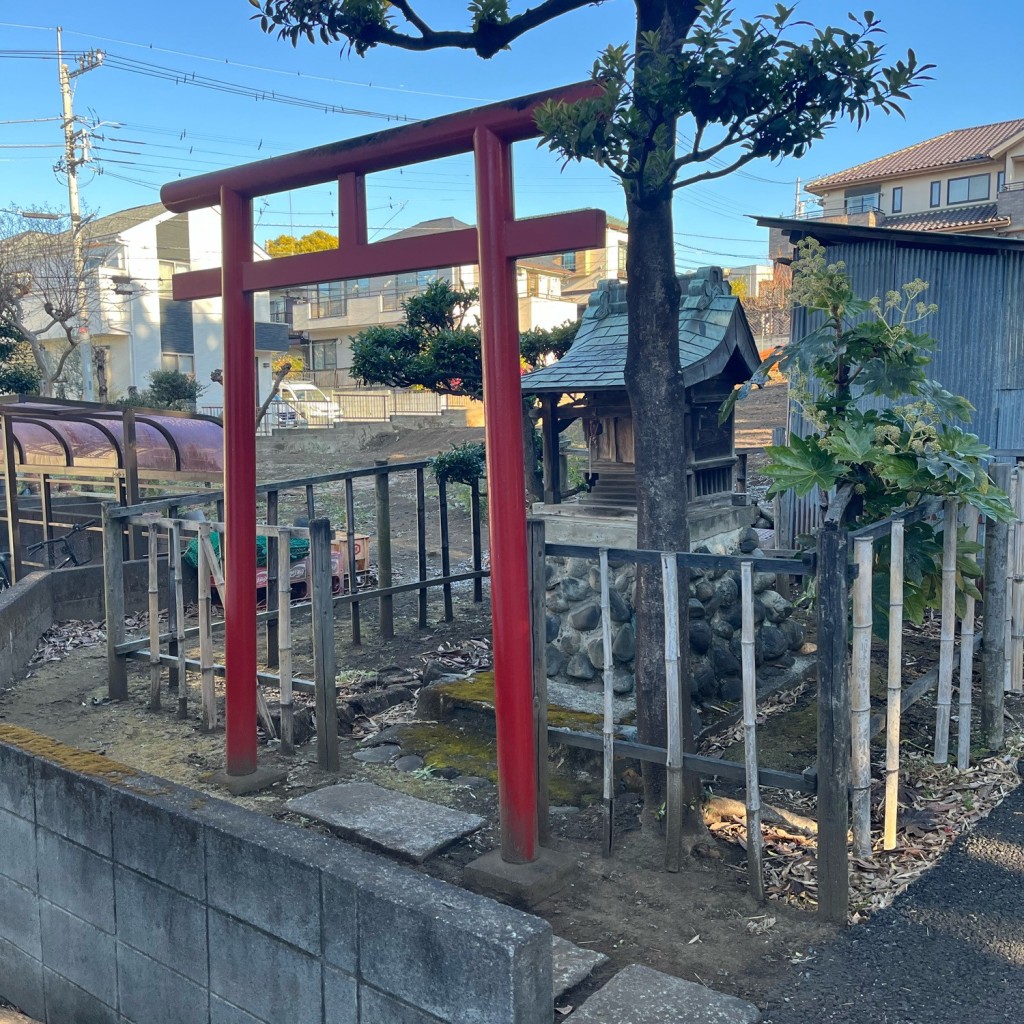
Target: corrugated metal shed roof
(962,146)
(712,328)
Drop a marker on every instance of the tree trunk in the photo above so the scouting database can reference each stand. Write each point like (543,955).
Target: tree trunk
(660,417)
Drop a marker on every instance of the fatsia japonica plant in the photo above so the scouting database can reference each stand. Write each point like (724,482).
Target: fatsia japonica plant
(883,436)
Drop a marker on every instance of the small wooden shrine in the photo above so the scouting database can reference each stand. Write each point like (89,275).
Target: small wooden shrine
(716,352)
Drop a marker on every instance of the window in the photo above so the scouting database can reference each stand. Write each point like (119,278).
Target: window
(863,203)
(324,354)
(327,300)
(897,199)
(972,188)
(168,268)
(180,363)
(622,260)
(1000,181)
(936,194)
(569,261)
(279,311)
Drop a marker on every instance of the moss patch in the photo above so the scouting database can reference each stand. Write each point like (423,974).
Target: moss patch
(82,761)
(477,692)
(786,742)
(452,746)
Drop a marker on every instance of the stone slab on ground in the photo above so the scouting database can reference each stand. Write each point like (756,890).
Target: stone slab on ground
(571,964)
(575,698)
(404,825)
(640,995)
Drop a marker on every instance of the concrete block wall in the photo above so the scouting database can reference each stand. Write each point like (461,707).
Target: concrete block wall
(125,899)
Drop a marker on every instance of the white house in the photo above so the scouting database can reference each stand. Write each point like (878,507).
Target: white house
(324,318)
(136,326)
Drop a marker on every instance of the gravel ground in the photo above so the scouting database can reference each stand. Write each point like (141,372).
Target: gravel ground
(950,950)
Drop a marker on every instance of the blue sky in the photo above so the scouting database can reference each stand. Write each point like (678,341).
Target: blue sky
(153,128)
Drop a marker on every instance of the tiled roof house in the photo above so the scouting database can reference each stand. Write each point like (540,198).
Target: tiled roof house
(968,180)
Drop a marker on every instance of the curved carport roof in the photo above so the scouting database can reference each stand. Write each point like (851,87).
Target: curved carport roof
(48,432)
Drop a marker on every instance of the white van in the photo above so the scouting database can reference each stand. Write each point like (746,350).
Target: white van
(312,407)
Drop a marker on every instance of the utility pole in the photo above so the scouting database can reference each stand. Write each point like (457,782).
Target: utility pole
(72,162)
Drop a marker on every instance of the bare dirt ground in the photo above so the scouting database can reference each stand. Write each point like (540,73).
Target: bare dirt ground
(699,924)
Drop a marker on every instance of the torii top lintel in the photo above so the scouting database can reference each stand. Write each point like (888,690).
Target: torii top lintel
(348,162)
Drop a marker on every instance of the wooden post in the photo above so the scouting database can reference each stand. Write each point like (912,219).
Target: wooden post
(46,505)
(833,723)
(994,618)
(860,698)
(273,605)
(1011,546)
(14,568)
(1017,605)
(755,857)
(113,586)
(350,567)
(130,445)
(478,554)
(152,558)
(549,437)
(947,639)
(538,613)
(324,668)
(894,685)
(383,500)
(173,681)
(179,619)
(446,559)
(675,804)
(284,640)
(608,722)
(421,546)
(208,689)
(310,503)
(963,747)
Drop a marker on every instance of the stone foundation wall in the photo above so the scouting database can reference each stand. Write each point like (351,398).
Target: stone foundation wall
(575,649)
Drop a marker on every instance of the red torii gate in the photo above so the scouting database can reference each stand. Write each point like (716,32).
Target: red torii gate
(498,240)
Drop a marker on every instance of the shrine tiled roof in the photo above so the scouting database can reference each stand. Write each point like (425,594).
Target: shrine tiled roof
(712,328)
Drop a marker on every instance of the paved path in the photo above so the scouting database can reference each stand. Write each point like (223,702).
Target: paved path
(950,950)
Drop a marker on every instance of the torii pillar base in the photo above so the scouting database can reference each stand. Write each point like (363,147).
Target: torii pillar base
(523,885)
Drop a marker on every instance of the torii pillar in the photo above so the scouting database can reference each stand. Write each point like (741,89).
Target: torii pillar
(495,244)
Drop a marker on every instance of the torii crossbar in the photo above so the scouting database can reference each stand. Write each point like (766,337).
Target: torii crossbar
(497,241)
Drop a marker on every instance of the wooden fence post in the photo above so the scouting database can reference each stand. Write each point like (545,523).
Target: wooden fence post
(963,747)
(113,585)
(446,560)
(284,637)
(608,723)
(421,546)
(894,686)
(153,566)
(538,613)
(387,602)
(676,707)
(350,561)
(860,698)
(324,667)
(1017,588)
(947,640)
(833,723)
(179,618)
(208,689)
(755,854)
(272,602)
(478,555)
(993,629)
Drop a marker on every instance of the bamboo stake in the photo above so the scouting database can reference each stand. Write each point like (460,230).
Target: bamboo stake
(179,625)
(894,686)
(284,639)
(608,726)
(860,698)
(1011,547)
(262,708)
(674,808)
(755,857)
(1017,631)
(963,743)
(208,691)
(948,634)
(154,618)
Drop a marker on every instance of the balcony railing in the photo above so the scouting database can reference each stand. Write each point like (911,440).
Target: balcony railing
(863,204)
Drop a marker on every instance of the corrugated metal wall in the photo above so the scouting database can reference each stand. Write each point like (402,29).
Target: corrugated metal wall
(979,326)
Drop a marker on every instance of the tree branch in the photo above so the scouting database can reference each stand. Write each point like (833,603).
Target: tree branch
(412,17)
(709,175)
